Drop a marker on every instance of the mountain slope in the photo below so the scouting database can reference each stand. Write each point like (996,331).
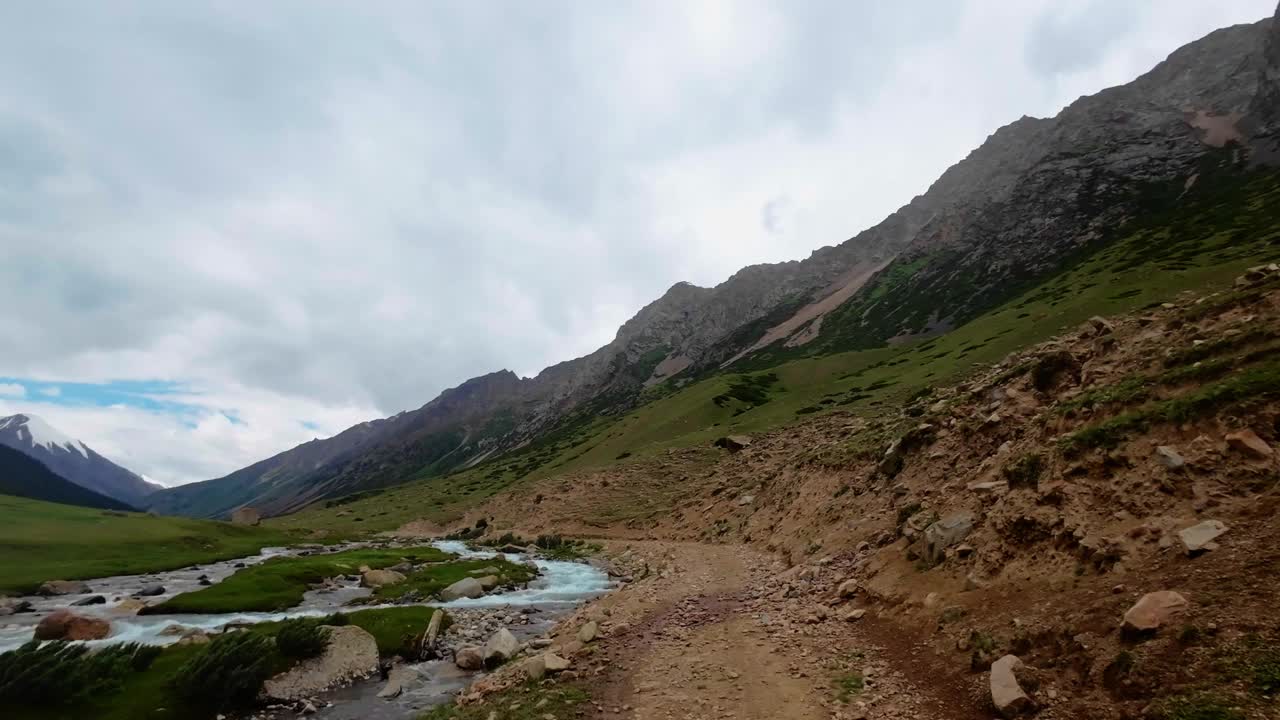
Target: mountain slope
(1034,197)
(26,477)
(73,460)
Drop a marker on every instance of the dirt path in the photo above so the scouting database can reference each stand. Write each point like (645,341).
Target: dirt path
(715,632)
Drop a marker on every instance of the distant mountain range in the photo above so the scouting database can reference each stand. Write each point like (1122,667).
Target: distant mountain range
(1034,195)
(72,460)
(24,476)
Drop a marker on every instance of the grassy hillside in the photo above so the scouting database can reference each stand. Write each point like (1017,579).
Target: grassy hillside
(1201,244)
(42,541)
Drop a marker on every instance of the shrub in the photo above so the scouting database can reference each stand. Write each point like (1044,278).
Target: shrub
(301,638)
(1025,471)
(228,674)
(62,673)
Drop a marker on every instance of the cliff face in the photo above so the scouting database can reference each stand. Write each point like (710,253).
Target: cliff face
(1035,192)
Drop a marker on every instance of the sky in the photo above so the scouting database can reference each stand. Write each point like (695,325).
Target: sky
(227,228)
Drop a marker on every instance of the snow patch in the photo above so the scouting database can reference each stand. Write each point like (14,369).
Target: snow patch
(39,432)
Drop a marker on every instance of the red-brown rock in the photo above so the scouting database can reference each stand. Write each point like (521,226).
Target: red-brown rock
(66,625)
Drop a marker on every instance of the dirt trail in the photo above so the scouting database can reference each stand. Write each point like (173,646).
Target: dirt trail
(710,633)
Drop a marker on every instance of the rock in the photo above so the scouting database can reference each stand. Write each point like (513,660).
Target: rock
(194,637)
(170,630)
(554,663)
(535,668)
(130,605)
(1169,457)
(510,550)
(944,533)
(1248,442)
(402,568)
(352,653)
(1152,612)
(308,708)
(246,516)
(848,588)
(379,578)
(466,587)
(733,443)
(63,587)
(744,500)
(1100,325)
(397,679)
(932,600)
(469,658)
(853,615)
(1006,694)
(588,632)
(13,606)
(151,591)
(988,486)
(488,582)
(501,647)
(66,625)
(91,600)
(1200,537)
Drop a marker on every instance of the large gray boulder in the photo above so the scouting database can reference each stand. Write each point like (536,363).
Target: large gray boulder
(501,647)
(944,533)
(464,588)
(1006,694)
(63,587)
(469,658)
(352,654)
(1200,537)
(378,578)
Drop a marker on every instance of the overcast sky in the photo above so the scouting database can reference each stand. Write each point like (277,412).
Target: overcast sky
(227,228)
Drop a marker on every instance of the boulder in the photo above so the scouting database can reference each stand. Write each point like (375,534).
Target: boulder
(944,533)
(151,591)
(91,600)
(129,605)
(856,614)
(66,625)
(554,663)
(402,568)
(378,578)
(246,516)
(488,582)
(501,647)
(399,677)
(1248,442)
(469,658)
(13,606)
(1200,537)
(1152,612)
(352,654)
(194,637)
(464,588)
(733,443)
(1006,694)
(588,632)
(63,587)
(1169,457)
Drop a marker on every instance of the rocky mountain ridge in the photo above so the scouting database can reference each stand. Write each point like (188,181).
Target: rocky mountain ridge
(1036,193)
(73,460)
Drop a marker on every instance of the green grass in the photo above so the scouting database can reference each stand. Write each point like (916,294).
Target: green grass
(42,541)
(432,579)
(1204,244)
(279,583)
(524,702)
(1198,707)
(848,685)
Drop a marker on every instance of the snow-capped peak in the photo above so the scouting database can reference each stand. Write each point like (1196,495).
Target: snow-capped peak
(39,432)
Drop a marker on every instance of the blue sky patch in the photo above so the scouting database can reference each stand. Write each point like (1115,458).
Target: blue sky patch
(153,395)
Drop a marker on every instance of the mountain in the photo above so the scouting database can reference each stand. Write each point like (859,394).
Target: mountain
(1033,197)
(73,460)
(24,476)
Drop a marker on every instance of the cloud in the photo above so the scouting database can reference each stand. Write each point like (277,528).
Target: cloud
(12,390)
(193,193)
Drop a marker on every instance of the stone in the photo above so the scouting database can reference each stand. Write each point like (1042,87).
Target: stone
(588,632)
(988,486)
(733,443)
(848,588)
(1152,612)
(379,578)
(1006,694)
(352,653)
(194,637)
(402,568)
(63,587)
(1200,537)
(744,500)
(66,625)
(853,615)
(1100,325)
(464,588)
(13,606)
(469,658)
(151,591)
(554,663)
(488,582)
(397,679)
(535,668)
(91,600)
(944,533)
(501,647)
(1248,442)
(1169,457)
(129,605)
(246,516)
